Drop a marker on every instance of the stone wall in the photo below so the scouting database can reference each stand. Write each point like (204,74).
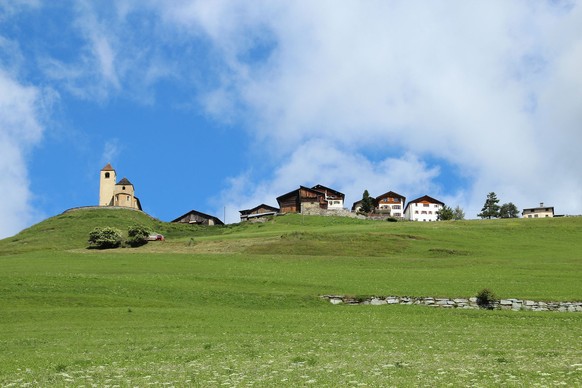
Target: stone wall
(317,211)
(460,303)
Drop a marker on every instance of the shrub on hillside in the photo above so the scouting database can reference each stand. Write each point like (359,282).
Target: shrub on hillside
(486,299)
(392,219)
(105,238)
(137,235)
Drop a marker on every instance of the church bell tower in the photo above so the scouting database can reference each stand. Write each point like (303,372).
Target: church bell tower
(107,185)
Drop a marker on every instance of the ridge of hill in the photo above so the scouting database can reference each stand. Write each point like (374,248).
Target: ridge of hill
(294,234)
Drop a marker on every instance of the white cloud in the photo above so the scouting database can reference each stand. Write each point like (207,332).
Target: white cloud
(20,129)
(111,151)
(493,88)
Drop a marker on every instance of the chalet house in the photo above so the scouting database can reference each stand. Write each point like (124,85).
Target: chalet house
(258,211)
(301,199)
(390,203)
(335,199)
(538,212)
(198,218)
(121,193)
(424,208)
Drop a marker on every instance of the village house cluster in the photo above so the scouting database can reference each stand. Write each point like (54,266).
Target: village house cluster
(316,200)
(321,200)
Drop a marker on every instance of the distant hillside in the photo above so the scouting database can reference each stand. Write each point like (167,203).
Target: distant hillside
(317,236)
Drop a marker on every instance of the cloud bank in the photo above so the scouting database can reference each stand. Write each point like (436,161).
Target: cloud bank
(372,95)
(20,130)
(449,99)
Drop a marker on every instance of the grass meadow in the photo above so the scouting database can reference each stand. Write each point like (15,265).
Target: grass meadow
(239,305)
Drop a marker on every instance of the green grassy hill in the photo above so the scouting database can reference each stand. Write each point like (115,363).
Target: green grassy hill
(239,304)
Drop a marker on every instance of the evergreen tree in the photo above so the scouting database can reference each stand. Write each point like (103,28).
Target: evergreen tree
(445,214)
(367,203)
(458,213)
(490,208)
(508,210)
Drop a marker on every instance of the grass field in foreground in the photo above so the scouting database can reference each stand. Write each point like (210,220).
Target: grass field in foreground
(239,306)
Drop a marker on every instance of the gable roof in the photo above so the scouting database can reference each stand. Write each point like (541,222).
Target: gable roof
(267,207)
(124,181)
(296,192)
(107,168)
(216,220)
(324,189)
(391,194)
(424,198)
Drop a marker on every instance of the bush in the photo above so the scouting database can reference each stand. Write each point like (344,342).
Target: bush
(137,236)
(104,238)
(486,299)
(392,219)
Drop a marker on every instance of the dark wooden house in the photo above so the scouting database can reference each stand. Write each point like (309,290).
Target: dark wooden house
(198,218)
(258,211)
(303,197)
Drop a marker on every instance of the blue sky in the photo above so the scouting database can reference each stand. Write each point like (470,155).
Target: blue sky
(223,105)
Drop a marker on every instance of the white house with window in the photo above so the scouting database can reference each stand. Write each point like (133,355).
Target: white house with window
(538,212)
(424,208)
(390,203)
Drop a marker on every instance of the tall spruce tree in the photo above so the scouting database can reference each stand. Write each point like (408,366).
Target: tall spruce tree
(367,203)
(490,208)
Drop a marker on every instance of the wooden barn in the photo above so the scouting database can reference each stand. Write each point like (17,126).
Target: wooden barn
(303,197)
(258,211)
(198,218)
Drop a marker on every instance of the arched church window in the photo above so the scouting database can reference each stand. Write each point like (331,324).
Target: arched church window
(106,175)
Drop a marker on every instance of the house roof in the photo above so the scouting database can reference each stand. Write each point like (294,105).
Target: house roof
(323,188)
(424,198)
(296,191)
(271,208)
(124,181)
(200,214)
(391,194)
(107,168)
(539,209)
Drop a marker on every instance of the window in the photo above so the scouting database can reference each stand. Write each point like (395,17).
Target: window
(107,175)
(397,214)
(430,212)
(416,212)
(396,207)
(536,216)
(425,204)
(122,187)
(423,212)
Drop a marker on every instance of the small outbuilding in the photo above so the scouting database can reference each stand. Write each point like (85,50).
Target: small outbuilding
(198,218)
(258,212)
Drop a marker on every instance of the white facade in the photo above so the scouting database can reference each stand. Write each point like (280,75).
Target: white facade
(335,203)
(423,209)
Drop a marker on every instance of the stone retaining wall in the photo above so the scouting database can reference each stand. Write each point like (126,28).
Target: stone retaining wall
(460,303)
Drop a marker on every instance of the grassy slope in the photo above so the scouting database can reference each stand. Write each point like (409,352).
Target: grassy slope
(238,305)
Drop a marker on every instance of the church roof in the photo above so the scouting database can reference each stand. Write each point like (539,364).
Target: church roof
(124,181)
(107,168)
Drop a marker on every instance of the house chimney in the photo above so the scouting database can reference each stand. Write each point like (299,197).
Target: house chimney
(541,204)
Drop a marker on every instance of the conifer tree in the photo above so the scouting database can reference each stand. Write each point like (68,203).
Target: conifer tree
(490,208)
